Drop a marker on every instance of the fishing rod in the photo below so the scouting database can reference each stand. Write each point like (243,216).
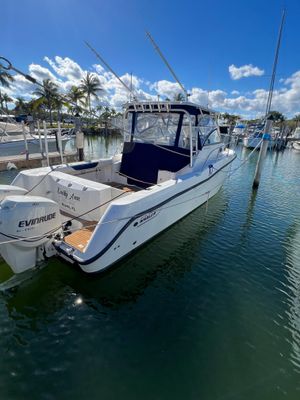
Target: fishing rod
(167,65)
(110,69)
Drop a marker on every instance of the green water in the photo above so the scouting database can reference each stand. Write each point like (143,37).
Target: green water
(210,309)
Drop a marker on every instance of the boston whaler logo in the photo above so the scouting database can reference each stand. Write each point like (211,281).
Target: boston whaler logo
(35,221)
(146,217)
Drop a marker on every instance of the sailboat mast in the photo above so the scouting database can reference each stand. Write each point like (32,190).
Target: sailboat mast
(270,96)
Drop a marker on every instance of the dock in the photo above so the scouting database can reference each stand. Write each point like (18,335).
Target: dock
(35,160)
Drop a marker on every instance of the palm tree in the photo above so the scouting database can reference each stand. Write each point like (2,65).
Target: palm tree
(90,86)
(76,96)
(48,93)
(5,77)
(20,105)
(6,99)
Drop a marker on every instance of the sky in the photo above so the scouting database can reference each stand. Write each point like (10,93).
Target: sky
(222,51)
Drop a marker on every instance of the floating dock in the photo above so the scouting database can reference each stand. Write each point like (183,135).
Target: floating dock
(34,160)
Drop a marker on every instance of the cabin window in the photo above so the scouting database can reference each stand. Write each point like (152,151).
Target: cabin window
(213,138)
(158,128)
(208,130)
(184,140)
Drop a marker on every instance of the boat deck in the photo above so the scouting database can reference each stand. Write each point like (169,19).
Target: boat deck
(79,239)
(122,186)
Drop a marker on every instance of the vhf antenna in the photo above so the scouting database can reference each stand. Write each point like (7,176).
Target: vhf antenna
(110,69)
(167,64)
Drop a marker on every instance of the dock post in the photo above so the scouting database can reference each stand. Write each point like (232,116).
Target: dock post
(46,142)
(40,138)
(79,144)
(262,153)
(283,128)
(59,142)
(25,141)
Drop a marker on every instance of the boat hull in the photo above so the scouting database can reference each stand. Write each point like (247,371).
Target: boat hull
(151,221)
(253,142)
(296,146)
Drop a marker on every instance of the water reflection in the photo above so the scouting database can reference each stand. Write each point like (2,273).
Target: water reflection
(249,215)
(99,146)
(293,276)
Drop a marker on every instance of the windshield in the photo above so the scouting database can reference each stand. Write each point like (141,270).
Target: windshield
(159,128)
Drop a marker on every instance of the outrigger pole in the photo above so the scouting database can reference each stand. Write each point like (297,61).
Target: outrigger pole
(110,69)
(167,64)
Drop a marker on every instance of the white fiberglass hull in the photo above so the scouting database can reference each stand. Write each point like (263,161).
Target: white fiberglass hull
(146,220)
(296,145)
(254,142)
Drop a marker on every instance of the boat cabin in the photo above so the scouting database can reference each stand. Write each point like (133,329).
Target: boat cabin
(164,136)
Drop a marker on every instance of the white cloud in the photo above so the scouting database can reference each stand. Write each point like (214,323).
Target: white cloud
(40,73)
(65,68)
(166,88)
(244,71)
(98,68)
(235,92)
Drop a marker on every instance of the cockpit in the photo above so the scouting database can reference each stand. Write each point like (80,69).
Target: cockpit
(164,136)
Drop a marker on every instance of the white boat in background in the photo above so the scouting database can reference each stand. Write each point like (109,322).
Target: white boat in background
(15,145)
(296,135)
(239,130)
(12,139)
(254,140)
(94,213)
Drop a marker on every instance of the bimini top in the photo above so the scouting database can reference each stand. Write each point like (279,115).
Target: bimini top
(167,106)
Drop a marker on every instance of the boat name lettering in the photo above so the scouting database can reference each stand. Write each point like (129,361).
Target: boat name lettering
(34,221)
(68,196)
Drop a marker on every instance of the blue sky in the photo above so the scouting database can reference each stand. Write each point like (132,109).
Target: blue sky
(201,40)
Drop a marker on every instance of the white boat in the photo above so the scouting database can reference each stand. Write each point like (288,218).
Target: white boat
(254,140)
(15,145)
(296,135)
(94,213)
(12,128)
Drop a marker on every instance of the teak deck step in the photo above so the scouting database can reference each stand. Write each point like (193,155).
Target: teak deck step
(80,238)
(126,188)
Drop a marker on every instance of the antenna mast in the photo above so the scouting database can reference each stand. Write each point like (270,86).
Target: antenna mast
(110,69)
(167,64)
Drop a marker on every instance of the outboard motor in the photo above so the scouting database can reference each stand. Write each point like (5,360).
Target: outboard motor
(27,227)
(9,190)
